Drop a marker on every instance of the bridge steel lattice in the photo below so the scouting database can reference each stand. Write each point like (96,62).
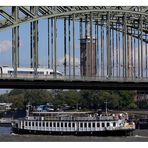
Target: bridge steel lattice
(120,32)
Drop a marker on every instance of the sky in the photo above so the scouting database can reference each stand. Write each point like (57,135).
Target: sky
(6,47)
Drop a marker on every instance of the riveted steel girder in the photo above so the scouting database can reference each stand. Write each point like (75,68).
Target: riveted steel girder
(15,42)
(63,11)
(44,12)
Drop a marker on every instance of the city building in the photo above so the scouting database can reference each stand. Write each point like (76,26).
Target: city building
(88,57)
(5,106)
(142,95)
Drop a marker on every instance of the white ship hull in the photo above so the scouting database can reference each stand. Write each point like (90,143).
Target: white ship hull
(71,127)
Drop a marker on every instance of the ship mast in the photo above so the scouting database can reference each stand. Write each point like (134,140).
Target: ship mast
(106,106)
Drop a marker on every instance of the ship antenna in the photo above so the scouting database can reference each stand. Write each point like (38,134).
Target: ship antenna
(106,106)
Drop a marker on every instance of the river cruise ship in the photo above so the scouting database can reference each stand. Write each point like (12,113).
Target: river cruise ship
(74,123)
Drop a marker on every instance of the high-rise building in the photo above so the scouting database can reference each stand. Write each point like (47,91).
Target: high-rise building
(88,57)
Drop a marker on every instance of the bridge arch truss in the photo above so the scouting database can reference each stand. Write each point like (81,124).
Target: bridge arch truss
(121,36)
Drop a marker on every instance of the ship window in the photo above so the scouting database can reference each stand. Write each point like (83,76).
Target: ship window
(98,124)
(69,124)
(81,124)
(54,124)
(85,124)
(73,124)
(50,124)
(103,124)
(36,124)
(93,124)
(65,124)
(25,123)
(43,123)
(61,124)
(89,124)
(32,123)
(16,125)
(29,123)
(114,123)
(39,123)
(46,124)
(57,124)
(107,124)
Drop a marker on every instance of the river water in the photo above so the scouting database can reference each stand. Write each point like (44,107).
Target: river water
(7,136)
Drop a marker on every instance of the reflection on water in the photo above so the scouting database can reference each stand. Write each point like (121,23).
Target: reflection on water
(6,135)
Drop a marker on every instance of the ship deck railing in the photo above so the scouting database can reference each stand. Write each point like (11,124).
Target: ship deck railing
(60,118)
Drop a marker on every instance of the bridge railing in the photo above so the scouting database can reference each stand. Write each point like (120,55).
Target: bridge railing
(72,78)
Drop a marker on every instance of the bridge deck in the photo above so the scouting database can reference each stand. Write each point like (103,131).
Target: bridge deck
(73,83)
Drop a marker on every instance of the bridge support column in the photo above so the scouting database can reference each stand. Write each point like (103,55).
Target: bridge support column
(112,51)
(97,50)
(109,73)
(55,45)
(141,31)
(102,48)
(146,52)
(119,64)
(86,26)
(52,43)
(117,55)
(134,46)
(129,55)
(125,66)
(69,45)
(74,45)
(15,42)
(91,47)
(34,42)
(81,36)
(48,43)
(65,47)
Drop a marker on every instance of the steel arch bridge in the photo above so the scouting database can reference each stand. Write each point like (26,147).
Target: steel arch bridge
(118,40)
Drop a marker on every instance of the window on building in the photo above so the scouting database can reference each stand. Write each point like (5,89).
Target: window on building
(81,124)
(25,123)
(50,124)
(36,123)
(32,123)
(43,123)
(85,124)
(40,124)
(54,124)
(57,124)
(61,124)
(114,123)
(46,124)
(65,124)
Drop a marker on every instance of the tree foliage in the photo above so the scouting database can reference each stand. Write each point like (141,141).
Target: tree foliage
(86,99)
